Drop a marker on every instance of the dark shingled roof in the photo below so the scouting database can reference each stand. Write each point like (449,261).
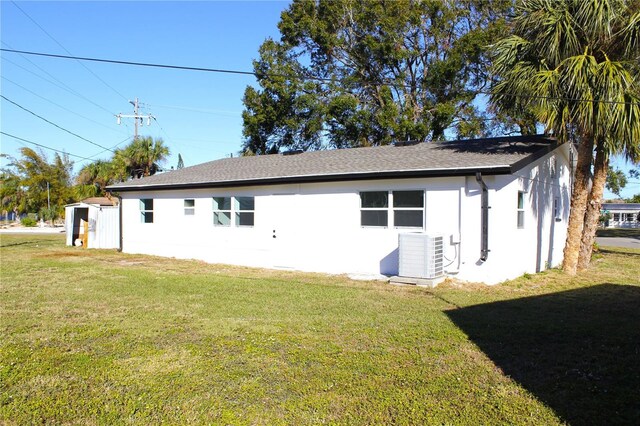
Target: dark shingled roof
(455,158)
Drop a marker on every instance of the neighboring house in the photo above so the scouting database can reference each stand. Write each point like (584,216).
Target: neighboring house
(342,211)
(622,215)
(103,222)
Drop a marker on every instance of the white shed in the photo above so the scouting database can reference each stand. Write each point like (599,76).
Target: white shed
(102,216)
(488,209)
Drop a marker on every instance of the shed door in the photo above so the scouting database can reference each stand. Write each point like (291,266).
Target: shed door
(284,233)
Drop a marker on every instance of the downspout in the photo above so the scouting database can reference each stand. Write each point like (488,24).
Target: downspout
(484,221)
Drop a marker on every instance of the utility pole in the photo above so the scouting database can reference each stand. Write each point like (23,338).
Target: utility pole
(136,116)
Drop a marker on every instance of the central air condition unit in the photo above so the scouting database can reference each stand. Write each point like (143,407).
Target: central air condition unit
(421,256)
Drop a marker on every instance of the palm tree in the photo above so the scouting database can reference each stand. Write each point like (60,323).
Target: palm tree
(93,178)
(141,158)
(574,63)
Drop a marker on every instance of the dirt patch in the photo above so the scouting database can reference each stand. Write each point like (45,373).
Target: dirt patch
(58,254)
(130,262)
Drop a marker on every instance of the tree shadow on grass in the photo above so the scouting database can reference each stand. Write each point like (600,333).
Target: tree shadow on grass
(619,252)
(22,243)
(577,351)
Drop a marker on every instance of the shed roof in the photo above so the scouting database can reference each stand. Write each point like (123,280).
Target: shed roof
(456,158)
(95,201)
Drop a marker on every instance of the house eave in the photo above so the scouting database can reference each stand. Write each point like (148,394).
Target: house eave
(395,174)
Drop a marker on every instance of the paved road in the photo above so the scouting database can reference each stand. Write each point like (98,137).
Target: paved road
(618,242)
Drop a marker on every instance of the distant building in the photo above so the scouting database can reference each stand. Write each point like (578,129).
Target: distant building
(622,215)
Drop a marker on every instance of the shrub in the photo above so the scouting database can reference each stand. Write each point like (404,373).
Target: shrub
(28,221)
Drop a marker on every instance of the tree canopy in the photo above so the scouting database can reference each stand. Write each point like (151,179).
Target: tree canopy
(32,183)
(575,65)
(350,73)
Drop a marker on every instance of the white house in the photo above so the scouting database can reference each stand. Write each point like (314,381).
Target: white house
(103,222)
(622,215)
(499,205)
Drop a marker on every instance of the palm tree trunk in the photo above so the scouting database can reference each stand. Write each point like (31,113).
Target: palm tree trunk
(579,198)
(592,214)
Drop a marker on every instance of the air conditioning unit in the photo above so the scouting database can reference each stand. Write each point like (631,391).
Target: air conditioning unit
(421,255)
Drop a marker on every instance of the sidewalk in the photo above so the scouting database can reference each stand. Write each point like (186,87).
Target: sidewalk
(32,230)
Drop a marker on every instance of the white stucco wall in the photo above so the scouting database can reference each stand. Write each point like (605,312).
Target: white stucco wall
(317,225)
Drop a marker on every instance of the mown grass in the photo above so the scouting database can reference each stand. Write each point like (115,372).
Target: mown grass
(100,337)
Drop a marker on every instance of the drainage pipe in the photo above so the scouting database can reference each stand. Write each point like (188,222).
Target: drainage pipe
(484,222)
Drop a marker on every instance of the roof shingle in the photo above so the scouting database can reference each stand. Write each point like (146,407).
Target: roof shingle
(461,157)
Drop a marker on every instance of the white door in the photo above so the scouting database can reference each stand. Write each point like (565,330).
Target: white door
(284,232)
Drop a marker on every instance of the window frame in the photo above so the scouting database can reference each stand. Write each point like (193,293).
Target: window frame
(189,210)
(420,208)
(520,210)
(391,208)
(146,212)
(234,212)
(217,211)
(238,211)
(384,209)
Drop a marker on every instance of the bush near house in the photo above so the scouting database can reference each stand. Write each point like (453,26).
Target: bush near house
(96,336)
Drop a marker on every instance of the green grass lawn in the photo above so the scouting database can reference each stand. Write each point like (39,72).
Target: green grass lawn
(100,337)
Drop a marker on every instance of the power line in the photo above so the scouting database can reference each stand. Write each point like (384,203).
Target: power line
(251,73)
(54,124)
(113,147)
(44,146)
(60,106)
(65,49)
(61,85)
(140,64)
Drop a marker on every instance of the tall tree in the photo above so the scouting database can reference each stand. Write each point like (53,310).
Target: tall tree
(616,181)
(575,64)
(93,178)
(140,158)
(31,183)
(353,73)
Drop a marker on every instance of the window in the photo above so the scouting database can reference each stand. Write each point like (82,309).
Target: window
(407,208)
(374,208)
(616,217)
(630,217)
(222,211)
(242,209)
(520,209)
(146,210)
(556,209)
(189,207)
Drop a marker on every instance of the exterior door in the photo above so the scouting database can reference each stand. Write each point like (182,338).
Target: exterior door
(284,232)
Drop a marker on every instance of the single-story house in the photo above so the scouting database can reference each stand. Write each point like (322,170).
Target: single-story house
(481,210)
(622,215)
(102,218)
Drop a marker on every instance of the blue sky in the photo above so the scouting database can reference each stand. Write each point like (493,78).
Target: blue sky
(198,113)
